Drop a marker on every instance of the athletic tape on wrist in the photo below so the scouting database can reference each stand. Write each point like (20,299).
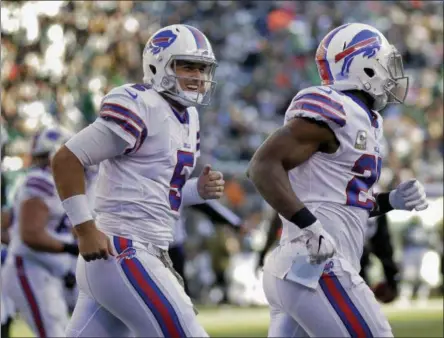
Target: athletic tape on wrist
(77,209)
(190,194)
(303,218)
(383,202)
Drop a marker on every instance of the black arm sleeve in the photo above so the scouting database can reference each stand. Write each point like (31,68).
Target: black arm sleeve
(383,249)
(218,213)
(383,205)
(275,224)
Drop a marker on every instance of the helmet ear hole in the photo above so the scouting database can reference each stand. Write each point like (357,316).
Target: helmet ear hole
(370,72)
(153,69)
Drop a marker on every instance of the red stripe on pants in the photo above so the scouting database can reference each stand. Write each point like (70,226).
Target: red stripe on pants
(30,296)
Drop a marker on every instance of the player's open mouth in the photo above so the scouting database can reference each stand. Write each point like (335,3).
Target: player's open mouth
(192,87)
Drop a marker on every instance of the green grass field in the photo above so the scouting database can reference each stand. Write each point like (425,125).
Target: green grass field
(253,322)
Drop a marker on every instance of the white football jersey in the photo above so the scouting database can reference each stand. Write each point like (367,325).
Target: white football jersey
(179,231)
(38,182)
(139,192)
(340,183)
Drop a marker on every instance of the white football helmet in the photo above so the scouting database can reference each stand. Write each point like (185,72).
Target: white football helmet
(48,140)
(178,42)
(357,56)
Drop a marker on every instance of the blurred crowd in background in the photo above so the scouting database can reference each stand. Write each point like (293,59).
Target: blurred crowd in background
(59,58)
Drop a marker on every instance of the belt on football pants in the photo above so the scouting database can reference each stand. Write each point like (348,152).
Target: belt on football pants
(166,260)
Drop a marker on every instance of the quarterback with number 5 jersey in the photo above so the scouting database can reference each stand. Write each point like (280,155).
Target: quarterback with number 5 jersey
(318,171)
(147,141)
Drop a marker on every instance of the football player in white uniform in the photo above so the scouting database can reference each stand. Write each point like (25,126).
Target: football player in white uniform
(41,243)
(318,171)
(146,140)
(7,310)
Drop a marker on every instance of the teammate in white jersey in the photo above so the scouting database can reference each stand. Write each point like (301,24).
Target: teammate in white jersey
(146,140)
(41,243)
(7,310)
(318,171)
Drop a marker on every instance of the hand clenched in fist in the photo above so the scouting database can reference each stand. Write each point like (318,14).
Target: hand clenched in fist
(210,184)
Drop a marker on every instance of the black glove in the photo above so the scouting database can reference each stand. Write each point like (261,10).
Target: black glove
(70,280)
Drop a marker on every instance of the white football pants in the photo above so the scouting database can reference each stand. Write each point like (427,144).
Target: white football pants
(341,306)
(37,294)
(132,294)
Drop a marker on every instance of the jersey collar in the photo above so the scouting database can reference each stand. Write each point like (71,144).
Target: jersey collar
(183,118)
(371,115)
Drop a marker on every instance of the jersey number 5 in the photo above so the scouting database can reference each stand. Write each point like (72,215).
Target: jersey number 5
(64,225)
(184,159)
(363,183)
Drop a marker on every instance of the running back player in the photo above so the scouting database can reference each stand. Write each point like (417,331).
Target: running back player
(318,171)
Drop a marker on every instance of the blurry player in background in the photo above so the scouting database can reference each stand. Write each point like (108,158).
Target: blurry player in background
(7,306)
(41,243)
(318,171)
(417,244)
(176,250)
(378,243)
(146,140)
(273,234)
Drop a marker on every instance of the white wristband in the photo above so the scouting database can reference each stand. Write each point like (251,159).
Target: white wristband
(77,209)
(190,195)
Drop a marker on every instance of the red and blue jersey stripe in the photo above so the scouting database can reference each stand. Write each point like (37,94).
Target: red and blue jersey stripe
(43,186)
(199,38)
(344,307)
(324,99)
(149,292)
(127,120)
(322,105)
(30,297)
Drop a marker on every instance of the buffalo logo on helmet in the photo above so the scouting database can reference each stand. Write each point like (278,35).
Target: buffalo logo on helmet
(366,42)
(161,41)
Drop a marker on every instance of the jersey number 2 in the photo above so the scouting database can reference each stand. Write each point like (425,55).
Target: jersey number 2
(184,159)
(360,183)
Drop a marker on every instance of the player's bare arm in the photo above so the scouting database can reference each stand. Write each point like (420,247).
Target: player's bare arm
(5,224)
(69,176)
(33,218)
(287,148)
